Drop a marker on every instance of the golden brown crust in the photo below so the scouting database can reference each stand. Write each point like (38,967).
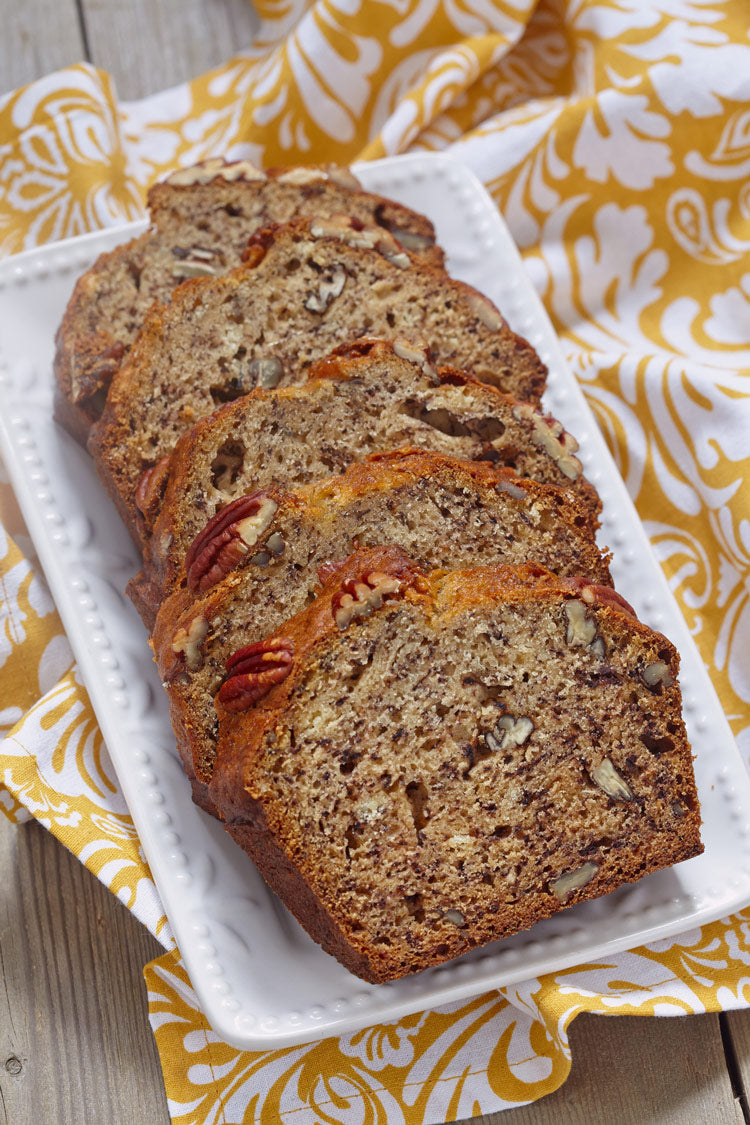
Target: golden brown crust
(86,352)
(207,344)
(90,348)
(444,593)
(262,828)
(372,388)
(256,838)
(385,472)
(259,840)
(313,529)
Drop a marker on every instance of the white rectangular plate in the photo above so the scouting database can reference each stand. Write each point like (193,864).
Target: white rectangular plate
(261,981)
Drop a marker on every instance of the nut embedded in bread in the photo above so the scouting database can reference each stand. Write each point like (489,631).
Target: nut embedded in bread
(374,396)
(201,220)
(308,285)
(259,560)
(468,753)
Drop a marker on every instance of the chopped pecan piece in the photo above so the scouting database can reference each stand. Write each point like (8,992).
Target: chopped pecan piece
(482,307)
(411,239)
(572,881)
(655,674)
(225,539)
(549,434)
(300,176)
(151,486)
(215,167)
(330,287)
(254,670)
(108,362)
(417,352)
(195,261)
(613,783)
(582,630)
(509,731)
(266,372)
(360,596)
(188,642)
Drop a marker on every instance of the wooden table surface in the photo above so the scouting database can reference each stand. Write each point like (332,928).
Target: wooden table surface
(75,1043)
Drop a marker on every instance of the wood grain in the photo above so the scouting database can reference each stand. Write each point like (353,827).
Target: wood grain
(75,1041)
(149,46)
(76,1046)
(26,53)
(736,1027)
(631,1071)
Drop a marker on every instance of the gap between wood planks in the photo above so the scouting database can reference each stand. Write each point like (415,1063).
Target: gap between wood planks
(147,47)
(82,30)
(733,1066)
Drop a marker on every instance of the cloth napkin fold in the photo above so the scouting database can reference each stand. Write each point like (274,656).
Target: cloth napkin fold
(615,138)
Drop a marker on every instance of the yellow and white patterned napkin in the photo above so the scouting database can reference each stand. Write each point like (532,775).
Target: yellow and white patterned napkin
(615,137)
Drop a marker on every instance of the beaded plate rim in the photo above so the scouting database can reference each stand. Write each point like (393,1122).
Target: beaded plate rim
(224,918)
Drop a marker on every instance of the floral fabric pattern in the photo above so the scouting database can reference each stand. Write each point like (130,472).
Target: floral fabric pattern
(615,139)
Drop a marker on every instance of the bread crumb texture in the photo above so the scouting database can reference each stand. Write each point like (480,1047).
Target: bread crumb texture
(472,756)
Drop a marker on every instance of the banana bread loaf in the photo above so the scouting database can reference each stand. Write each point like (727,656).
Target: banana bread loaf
(201,220)
(469,752)
(258,560)
(371,396)
(308,286)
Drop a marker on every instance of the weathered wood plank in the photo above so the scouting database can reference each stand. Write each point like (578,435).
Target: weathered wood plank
(737,1027)
(14,1013)
(636,1071)
(148,47)
(75,1042)
(27,52)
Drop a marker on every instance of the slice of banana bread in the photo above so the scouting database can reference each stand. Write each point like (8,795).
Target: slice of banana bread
(308,286)
(370,397)
(258,560)
(201,220)
(468,753)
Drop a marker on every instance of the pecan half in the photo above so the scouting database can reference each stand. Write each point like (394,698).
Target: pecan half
(591,593)
(358,597)
(225,539)
(254,670)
